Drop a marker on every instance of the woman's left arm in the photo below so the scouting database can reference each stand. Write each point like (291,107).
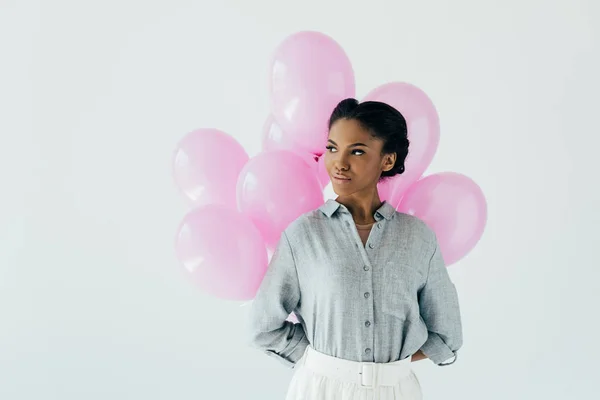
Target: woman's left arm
(418,356)
(440,310)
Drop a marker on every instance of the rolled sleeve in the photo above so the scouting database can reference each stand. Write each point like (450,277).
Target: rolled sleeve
(277,297)
(439,308)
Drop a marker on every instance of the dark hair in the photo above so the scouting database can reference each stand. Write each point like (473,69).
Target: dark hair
(382,121)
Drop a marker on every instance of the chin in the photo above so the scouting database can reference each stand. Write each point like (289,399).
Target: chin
(343,191)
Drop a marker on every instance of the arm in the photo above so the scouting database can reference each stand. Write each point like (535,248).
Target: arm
(277,297)
(418,356)
(439,307)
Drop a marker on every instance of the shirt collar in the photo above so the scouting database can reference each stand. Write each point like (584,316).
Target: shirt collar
(331,206)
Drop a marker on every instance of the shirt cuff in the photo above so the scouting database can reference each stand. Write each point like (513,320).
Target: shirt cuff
(451,360)
(437,350)
(289,358)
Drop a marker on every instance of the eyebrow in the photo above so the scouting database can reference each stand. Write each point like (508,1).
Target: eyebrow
(352,145)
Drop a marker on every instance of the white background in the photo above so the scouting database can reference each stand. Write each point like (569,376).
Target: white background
(94,96)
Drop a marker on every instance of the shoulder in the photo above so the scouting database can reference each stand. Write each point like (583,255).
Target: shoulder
(417,235)
(306,224)
(415,226)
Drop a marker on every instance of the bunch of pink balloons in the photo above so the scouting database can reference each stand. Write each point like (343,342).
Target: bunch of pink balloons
(241,205)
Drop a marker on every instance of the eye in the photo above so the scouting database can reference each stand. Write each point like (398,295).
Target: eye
(331,149)
(358,151)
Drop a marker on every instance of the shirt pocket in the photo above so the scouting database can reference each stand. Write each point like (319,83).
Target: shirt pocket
(400,290)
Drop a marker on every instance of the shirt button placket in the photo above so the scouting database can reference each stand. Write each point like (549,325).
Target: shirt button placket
(368,333)
(368,315)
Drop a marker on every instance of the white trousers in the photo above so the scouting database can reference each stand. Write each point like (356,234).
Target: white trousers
(318,376)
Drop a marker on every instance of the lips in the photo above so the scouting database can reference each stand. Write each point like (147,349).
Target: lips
(341,178)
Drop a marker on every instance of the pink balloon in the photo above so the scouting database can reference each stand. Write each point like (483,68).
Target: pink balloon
(222,251)
(275,139)
(310,75)
(454,206)
(206,166)
(316,164)
(322,172)
(423,131)
(274,189)
(292,318)
(387,191)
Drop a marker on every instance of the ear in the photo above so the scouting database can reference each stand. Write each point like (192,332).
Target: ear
(388,161)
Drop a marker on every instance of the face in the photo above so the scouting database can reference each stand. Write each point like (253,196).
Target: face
(353,158)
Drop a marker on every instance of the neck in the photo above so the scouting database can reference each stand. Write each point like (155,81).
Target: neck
(362,206)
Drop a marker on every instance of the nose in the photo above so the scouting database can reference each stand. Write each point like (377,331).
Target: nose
(341,164)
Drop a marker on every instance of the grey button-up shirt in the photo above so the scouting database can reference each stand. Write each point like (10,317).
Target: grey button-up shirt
(380,302)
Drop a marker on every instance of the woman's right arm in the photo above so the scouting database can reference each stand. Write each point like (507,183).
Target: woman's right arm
(277,297)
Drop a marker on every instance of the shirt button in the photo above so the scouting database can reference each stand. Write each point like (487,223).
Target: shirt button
(379,225)
(366,268)
(371,245)
(367,295)
(367,351)
(368,324)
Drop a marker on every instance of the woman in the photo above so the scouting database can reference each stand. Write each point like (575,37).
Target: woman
(367,283)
